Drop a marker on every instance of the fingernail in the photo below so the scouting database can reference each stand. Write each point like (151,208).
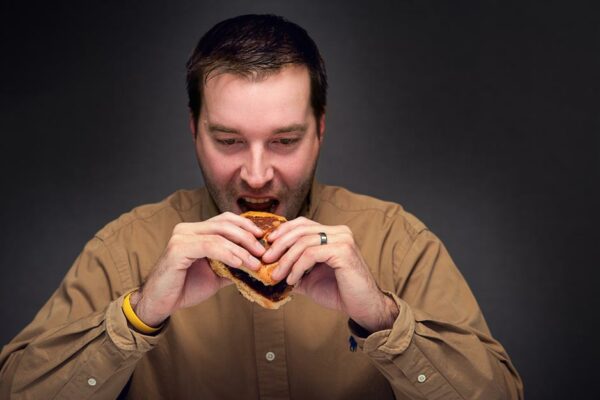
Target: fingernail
(272,236)
(275,274)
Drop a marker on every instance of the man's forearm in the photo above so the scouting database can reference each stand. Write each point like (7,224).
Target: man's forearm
(383,317)
(79,358)
(435,360)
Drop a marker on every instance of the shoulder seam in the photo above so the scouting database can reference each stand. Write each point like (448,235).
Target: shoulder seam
(139,218)
(387,215)
(124,273)
(357,209)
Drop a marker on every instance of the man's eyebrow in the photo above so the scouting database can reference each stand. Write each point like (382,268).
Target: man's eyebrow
(292,128)
(212,128)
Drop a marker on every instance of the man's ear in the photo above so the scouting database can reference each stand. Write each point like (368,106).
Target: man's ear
(193,126)
(321,127)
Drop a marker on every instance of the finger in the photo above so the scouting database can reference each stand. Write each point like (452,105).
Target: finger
(216,247)
(201,227)
(321,282)
(288,239)
(229,230)
(242,222)
(223,250)
(239,236)
(315,273)
(307,260)
(292,255)
(288,226)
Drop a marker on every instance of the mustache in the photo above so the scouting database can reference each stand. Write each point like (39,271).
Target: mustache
(246,189)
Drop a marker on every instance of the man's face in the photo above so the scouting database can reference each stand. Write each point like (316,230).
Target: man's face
(256,141)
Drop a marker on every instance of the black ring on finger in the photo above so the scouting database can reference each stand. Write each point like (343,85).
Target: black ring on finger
(323,238)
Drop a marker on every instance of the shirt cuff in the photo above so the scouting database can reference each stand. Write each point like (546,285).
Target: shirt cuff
(123,335)
(388,342)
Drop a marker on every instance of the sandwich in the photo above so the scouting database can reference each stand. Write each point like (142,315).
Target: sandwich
(258,286)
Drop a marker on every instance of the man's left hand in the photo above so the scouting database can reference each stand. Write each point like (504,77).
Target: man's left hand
(335,275)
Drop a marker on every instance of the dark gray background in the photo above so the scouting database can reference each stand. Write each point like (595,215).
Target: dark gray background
(479,117)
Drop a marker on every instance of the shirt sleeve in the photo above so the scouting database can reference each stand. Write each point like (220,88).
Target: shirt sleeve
(79,345)
(439,346)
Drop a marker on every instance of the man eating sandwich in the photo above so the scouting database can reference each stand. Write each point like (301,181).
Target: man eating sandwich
(384,312)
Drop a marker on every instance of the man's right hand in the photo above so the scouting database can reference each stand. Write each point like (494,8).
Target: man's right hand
(182,277)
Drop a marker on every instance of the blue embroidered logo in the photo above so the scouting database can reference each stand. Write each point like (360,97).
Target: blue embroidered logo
(353,344)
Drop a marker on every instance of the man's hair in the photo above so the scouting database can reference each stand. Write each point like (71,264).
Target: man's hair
(255,46)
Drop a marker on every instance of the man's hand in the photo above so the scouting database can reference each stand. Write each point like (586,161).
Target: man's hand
(182,277)
(334,275)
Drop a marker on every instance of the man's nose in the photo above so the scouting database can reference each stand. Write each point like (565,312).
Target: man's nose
(257,171)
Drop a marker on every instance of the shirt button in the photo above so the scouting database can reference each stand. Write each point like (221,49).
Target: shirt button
(421,378)
(92,382)
(270,356)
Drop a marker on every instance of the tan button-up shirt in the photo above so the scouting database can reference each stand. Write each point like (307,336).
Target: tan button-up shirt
(80,345)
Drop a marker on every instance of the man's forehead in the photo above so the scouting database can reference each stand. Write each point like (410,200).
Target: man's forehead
(232,102)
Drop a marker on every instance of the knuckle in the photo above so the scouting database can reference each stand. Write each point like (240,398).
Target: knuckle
(237,259)
(213,244)
(290,256)
(244,254)
(250,238)
(310,252)
(346,229)
(213,240)
(346,247)
(282,262)
(276,254)
(206,241)
(305,241)
(173,247)
(293,250)
(178,228)
(176,238)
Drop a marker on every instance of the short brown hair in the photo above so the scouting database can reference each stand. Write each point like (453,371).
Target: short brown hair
(255,46)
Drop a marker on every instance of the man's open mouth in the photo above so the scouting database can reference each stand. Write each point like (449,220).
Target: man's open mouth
(257,204)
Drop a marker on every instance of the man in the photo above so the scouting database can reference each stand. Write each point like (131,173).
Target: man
(379,280)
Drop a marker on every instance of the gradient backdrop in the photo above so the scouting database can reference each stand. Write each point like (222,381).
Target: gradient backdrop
(479,117)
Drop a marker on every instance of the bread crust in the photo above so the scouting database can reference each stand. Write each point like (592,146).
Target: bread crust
(250,294)
(268,222)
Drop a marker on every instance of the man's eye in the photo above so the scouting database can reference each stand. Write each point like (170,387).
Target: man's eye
(227,142)
(287,141)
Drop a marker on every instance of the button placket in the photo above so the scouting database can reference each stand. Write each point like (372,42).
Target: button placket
(269,341)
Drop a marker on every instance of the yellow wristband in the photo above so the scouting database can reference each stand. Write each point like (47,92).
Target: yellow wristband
(134,320)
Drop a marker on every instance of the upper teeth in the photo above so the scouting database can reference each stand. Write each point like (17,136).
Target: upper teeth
(256,201)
